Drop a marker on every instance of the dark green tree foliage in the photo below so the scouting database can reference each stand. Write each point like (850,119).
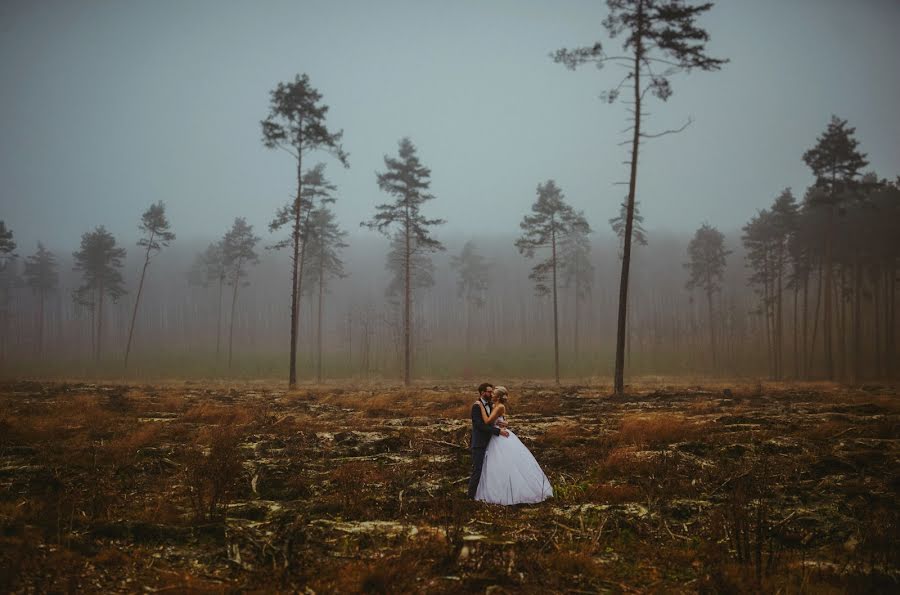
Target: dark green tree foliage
(638,234)
(296,124)
(8,279)
(326,241)
(42,276)
(156,235)
(661,38)
(472,271)
(7,244)
(706,266)
(209,268)
(551,220)
(408,181)
(238,253)
(836,162)
(99,261)
(317,193)
(577,270)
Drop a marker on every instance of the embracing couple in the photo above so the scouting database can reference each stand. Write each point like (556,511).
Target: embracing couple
(503,469)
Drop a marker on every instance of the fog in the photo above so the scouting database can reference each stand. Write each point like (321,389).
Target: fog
(108,107)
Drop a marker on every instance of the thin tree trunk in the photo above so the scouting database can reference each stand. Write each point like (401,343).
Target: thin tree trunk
(295,264)
(99,323)
(41,325)
(619,377)
(319,326)
(779,320)
(796,357)
(805,323)
(827,322)
(137,300)
(407,303)
(812,345)
(876,295)
(219,320)
(712,328)
(555,308)
(857,323)
(237,282)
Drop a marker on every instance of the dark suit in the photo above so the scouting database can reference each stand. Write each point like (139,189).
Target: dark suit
(481,435)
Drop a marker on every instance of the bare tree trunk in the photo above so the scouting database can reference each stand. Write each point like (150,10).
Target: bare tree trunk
(40,342)
(407,304)
(876,295)
(812,345)
(795,325)
(712,327)
(779,319)
(137,300)
(219,320)
(619,377)
(857,323)
(237,282)
(319,326)
(555,308)
(99,323)
(805,323)
(841,324)
(295,274)
(827,322)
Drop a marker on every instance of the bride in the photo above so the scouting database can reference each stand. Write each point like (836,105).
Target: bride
(510,474)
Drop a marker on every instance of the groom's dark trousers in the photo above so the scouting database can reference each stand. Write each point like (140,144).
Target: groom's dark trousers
(481,435)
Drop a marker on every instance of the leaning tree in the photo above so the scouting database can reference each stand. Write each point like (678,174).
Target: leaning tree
(551,220)
(296,125)
(707,254)
(42,277)
(155,228)
(408,181)
(661,39)
(99,261)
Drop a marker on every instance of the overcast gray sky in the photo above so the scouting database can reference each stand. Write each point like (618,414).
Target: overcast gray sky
(107,106)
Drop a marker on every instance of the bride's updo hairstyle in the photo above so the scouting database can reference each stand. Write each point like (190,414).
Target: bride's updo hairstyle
(501,394)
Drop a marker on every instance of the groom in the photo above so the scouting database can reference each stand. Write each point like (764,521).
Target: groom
(481,434)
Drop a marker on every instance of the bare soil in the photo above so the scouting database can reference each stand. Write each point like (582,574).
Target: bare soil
(191,487)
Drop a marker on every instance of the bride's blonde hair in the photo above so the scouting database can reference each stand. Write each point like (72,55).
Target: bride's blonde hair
(501,394)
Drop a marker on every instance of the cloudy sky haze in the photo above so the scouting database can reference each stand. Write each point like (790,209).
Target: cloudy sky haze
(108,106)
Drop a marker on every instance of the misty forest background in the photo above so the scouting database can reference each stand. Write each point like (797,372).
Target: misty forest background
(806,289)
(767,315)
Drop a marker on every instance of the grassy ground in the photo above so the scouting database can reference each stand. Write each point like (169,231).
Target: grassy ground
(217,487)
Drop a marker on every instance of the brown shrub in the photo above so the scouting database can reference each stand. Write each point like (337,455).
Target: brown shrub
(210,476)
(561,434)
(545,405)
(212,413)
(657,429)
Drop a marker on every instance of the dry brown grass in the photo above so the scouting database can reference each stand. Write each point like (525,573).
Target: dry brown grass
(657,429)
(212,413)
(561,434)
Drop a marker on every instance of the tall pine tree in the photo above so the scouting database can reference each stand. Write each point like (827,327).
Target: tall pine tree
(551,220)
(296,125)
(661,38)
(408,181)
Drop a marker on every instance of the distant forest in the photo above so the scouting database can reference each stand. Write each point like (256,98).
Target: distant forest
(805,290)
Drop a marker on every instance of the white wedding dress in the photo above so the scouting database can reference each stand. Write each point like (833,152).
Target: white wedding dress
(510,474)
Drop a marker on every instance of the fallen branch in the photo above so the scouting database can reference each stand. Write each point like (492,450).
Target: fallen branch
(444,443)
